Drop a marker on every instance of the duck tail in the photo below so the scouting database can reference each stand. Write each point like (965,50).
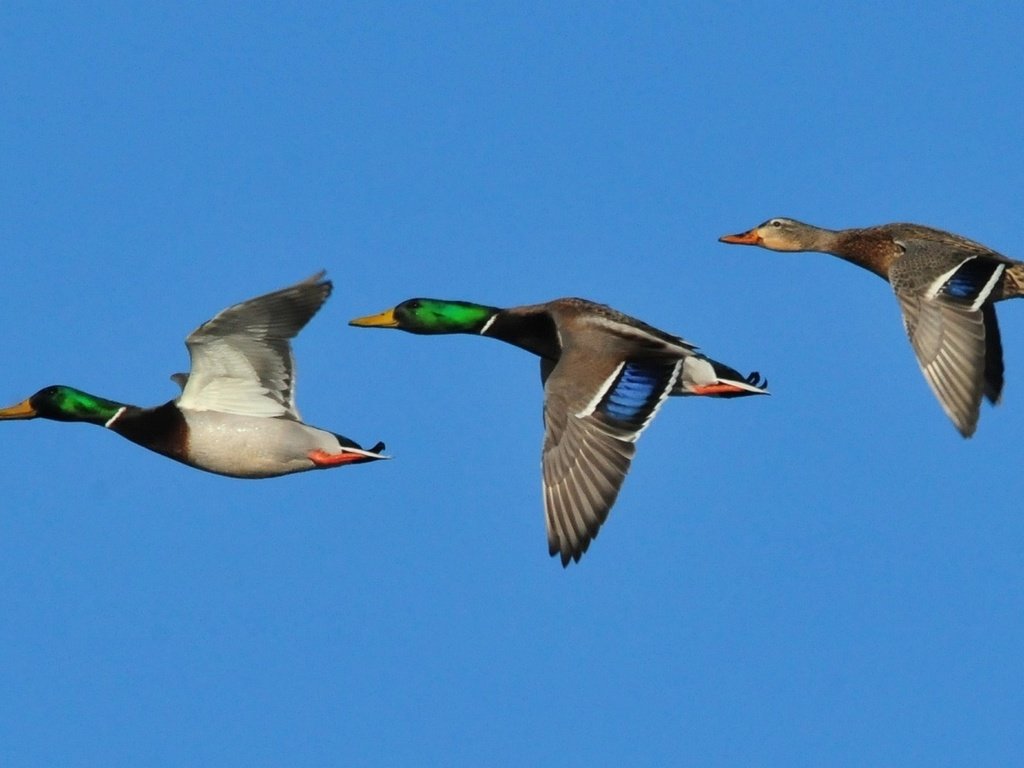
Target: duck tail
(1012,286)
(373,454)
(702,376)
(364,454)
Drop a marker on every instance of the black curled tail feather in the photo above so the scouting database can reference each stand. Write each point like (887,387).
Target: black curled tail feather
(754,379)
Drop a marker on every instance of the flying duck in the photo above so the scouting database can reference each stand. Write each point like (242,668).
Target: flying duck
(605,375)
(236,414)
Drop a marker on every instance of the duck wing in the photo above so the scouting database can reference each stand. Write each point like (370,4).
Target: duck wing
(594,410)
(242,359)
(948,315)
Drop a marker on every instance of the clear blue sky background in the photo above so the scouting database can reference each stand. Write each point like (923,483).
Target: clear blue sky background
(829,576)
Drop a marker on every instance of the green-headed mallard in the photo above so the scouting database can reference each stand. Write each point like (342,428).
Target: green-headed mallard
(236,414)
(605,376)
(946,286)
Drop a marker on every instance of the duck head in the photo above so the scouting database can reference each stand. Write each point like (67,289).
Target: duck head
(61,403)
(430,316)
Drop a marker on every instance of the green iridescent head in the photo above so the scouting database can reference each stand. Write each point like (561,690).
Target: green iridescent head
(61,403)
(431,316)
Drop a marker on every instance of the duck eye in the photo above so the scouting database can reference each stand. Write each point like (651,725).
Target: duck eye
(776,223)
(413,305)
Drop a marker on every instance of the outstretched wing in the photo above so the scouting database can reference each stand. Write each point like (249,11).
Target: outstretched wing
(589,442)
(953,329)
(242,359)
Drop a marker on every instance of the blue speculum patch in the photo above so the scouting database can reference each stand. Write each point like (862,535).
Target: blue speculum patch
(634,394)
(969,279)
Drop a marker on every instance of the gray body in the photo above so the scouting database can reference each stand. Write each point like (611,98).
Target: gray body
(241,446)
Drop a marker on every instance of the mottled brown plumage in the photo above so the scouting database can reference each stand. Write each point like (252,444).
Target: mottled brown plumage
(946,286)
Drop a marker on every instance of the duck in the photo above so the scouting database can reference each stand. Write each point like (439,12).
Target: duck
(946,286)
(605,376)
(236,413)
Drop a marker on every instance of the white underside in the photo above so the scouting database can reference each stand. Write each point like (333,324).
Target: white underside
(243,446)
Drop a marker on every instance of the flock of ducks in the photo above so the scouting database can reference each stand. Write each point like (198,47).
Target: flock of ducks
(605,374)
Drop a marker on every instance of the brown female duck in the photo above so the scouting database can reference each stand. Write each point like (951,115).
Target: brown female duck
(946,286)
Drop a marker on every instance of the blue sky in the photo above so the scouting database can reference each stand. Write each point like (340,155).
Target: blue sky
(829,576)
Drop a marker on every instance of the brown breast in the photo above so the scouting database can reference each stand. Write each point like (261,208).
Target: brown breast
(161,429)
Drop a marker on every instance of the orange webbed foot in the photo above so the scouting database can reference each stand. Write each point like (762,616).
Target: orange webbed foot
(323,459)
(718,389)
